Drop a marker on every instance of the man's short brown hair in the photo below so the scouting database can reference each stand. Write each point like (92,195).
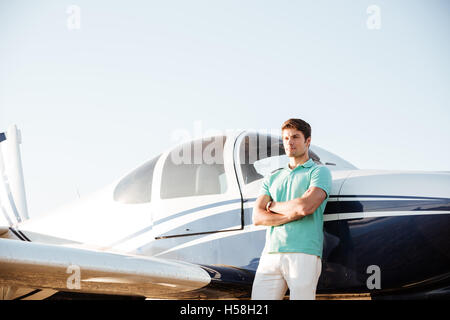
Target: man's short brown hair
(298,124)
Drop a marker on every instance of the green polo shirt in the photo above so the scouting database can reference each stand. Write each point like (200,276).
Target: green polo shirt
(304,235)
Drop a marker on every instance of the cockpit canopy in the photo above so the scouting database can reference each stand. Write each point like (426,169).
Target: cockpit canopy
(196,168)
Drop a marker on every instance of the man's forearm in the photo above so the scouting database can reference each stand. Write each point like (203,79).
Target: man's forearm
(294,209)
(265,218)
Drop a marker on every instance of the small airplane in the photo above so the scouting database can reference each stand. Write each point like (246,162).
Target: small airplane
(179,226)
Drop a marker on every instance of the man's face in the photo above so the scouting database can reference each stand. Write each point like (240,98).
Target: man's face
(294,142)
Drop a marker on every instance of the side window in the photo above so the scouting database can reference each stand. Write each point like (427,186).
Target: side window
(136,187)
(260,154)
(267,165)
(195,169)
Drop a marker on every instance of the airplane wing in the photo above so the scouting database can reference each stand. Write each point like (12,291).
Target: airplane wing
(49,267)
(44,266)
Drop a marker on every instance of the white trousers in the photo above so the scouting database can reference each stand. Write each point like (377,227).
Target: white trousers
(279,271)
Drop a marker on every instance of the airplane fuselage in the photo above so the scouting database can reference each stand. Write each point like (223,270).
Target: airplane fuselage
(383,230)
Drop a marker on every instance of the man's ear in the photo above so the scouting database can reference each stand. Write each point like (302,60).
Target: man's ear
(308,141)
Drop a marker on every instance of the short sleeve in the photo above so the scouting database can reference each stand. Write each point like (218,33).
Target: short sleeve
(321,178)
(265,186)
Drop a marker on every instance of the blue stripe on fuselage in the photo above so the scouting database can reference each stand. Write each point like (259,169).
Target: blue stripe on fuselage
(176,215)
(332,207)
(208,206)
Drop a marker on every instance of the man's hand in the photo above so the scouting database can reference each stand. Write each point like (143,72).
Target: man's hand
(265,218)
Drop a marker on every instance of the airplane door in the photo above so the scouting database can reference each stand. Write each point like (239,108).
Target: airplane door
(256,155)
(197,190)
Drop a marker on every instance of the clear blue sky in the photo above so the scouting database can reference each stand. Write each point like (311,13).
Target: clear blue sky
(94,102)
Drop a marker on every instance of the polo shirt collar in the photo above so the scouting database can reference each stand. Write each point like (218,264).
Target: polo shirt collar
(307,164)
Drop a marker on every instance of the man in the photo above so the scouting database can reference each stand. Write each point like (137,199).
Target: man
(291,204)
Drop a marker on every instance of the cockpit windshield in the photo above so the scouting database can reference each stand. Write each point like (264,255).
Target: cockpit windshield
(136,187)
